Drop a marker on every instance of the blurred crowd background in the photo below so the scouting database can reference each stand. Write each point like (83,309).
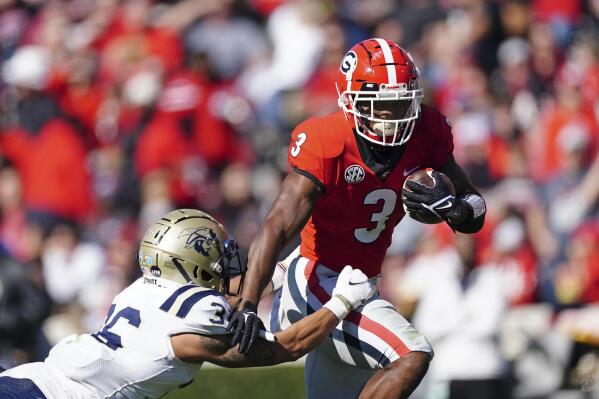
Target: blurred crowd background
(114,112)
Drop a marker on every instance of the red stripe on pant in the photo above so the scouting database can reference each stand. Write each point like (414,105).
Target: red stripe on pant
(359,319)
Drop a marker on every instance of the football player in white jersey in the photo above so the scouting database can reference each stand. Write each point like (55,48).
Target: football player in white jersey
(161,328)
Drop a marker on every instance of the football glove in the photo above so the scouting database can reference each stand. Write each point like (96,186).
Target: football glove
(245,325)
(353,289)
(435,202)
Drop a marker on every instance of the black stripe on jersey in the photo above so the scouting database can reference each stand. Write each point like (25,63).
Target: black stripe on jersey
(168,304)
(310,176)
(192,300)
(294,290)
(361,346)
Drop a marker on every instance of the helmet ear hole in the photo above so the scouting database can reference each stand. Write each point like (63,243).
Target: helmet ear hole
(205,275)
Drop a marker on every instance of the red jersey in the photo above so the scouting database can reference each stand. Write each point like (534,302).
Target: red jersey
(353,221)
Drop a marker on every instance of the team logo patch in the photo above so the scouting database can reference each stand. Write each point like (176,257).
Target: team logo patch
(155,271)
(354,174)
(202,239)
(348,64)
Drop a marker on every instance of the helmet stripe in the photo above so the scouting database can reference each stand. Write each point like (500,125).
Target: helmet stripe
(391,74)
(181,270)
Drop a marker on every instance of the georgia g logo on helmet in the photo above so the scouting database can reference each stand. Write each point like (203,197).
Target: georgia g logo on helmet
(348,64)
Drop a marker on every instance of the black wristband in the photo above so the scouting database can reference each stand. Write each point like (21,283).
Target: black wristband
(465,222)
(461,212)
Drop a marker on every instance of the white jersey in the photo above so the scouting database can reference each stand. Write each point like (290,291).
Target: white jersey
(131,355)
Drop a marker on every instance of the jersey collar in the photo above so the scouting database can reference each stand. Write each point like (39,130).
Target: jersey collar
(381,162)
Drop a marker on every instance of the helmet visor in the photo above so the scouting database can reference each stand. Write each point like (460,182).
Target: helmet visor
(385,116)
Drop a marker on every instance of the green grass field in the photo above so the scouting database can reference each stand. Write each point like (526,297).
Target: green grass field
(263,383)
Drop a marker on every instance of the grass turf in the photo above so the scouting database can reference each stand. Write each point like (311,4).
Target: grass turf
(263,382)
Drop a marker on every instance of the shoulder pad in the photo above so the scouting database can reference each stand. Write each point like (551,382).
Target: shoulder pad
(324,136)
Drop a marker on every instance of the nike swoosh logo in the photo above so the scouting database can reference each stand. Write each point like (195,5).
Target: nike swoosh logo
(447,205)
(407,172)
(350,283)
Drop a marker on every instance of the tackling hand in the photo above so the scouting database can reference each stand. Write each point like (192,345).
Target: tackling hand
(438,201)
(353,289)
(245,325)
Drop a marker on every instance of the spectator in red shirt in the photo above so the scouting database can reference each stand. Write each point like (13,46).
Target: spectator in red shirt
(47,151)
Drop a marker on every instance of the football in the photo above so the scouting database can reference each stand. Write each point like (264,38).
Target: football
(424,177)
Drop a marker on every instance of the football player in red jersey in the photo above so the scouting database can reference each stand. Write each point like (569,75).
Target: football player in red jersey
(345,195)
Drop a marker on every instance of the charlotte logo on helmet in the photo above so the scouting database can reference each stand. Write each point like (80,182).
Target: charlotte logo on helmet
(201,239)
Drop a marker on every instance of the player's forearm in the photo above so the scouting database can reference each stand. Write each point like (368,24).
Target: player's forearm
(306,334)
(262,259)
(292,343)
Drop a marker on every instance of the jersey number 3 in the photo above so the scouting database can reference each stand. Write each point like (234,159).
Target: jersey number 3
(389,198)
(301,139)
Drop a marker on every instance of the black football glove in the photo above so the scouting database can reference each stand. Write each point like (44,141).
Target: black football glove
(430,204)
(245,325)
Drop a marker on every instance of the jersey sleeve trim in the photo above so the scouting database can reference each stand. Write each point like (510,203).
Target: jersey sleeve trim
(319,184)
(208,316)
(182,308)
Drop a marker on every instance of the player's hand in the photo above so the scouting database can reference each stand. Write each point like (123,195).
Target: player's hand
(353,289)
(245,325)
(430,202)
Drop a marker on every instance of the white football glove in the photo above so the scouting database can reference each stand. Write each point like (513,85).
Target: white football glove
(353,289)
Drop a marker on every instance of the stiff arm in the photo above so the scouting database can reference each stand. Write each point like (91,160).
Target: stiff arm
(289,213)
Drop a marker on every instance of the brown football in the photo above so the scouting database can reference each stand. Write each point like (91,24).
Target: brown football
(424,177)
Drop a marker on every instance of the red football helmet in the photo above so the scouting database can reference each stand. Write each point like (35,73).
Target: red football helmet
(379,91)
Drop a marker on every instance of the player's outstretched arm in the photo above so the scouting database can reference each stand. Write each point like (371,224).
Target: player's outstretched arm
(352,289)
(289,213)
(291,344)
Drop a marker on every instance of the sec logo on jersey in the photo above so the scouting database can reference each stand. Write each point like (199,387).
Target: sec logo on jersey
(354,174)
